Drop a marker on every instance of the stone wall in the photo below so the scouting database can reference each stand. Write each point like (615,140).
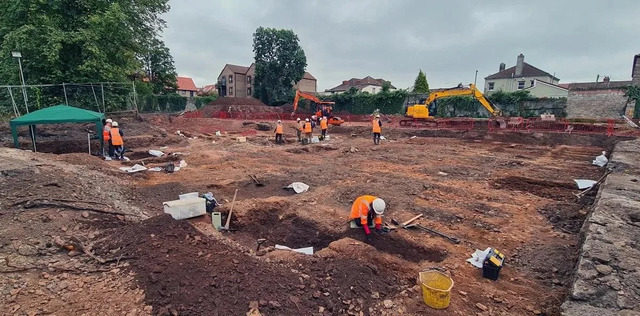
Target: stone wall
(607,281)
(601,104)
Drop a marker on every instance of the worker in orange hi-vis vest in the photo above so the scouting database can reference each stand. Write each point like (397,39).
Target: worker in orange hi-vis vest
(376,126)
(117,141)
(324,125)
(107,147)
(279,132)
(299,127)
(307,130)
(367,210)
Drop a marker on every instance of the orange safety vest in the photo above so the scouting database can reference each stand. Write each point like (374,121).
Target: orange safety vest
(279,129)
(307,127)
(105,134)
(361,207)
(319,113)
(116,139)
(376,126)
(323,124)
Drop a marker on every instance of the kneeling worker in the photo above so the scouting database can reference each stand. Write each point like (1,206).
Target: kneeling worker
(367,209)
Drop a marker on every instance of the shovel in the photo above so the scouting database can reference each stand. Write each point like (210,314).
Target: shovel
(258,183)
(226,226)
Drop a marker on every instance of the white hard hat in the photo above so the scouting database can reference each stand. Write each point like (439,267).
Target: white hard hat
(279,121)
(306,120)
(114,124)
(377,115)
(313,116)
(298,119)
(109,120)
(320,119)
(379,206)
(324,117)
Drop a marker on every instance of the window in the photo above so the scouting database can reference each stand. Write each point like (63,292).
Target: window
(248,91)
(249,79)
(373,90)
(490,86)
(230,90)
(520,85)
(192,94)
(532,82)
(230,78)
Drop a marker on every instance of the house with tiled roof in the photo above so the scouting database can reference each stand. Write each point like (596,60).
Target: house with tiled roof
(238,81)
(186,87)
(524,76)
(208,90)
(366,84)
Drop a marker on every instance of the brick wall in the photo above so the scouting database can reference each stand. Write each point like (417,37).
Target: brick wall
(606,103)
(306,85)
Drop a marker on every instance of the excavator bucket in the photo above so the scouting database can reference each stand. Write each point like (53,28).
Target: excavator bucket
(335,121)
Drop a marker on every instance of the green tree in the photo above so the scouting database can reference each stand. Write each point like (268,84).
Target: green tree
(386,86)
(421,85)
(76,40)
(159,68)
(280,63)
(633,92)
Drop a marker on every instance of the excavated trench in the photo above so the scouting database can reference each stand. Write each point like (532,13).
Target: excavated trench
(296,232)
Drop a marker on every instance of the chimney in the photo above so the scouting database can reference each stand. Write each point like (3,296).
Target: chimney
(519,65)
(635,72)
(502,66)
(606,79)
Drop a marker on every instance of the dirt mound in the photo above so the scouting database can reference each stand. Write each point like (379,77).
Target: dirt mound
(238,104)
(214,279)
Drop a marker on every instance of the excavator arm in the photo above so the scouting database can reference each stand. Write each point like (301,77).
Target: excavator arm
(462,91)
(308,96)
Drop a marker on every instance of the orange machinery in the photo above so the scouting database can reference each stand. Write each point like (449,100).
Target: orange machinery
(323,108)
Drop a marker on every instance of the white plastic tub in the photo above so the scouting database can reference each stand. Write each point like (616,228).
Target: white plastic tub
(190,195)
(181,209)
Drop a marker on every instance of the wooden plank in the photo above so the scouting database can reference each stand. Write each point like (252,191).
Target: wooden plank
(411,220)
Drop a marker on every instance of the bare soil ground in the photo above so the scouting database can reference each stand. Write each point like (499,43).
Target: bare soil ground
(511,191)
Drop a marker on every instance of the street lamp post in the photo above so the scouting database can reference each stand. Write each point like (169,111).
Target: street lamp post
(18,55)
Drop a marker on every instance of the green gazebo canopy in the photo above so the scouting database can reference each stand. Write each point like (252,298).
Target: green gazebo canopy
(57,115)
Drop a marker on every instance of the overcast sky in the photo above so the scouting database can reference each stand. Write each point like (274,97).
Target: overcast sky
(449,40)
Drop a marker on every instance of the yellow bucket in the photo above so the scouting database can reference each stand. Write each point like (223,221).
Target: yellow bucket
(436,288)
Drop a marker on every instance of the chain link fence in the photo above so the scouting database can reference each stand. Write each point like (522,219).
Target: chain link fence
(99,97)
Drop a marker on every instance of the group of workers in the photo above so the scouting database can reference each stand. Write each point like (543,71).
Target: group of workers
(113,146)
(305,128)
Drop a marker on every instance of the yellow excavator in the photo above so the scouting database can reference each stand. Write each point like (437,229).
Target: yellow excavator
(421,112)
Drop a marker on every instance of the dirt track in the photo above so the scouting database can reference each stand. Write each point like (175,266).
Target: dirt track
(504,190)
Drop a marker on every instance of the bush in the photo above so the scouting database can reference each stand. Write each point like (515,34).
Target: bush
(518,103)
(389,102)
(200,101)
